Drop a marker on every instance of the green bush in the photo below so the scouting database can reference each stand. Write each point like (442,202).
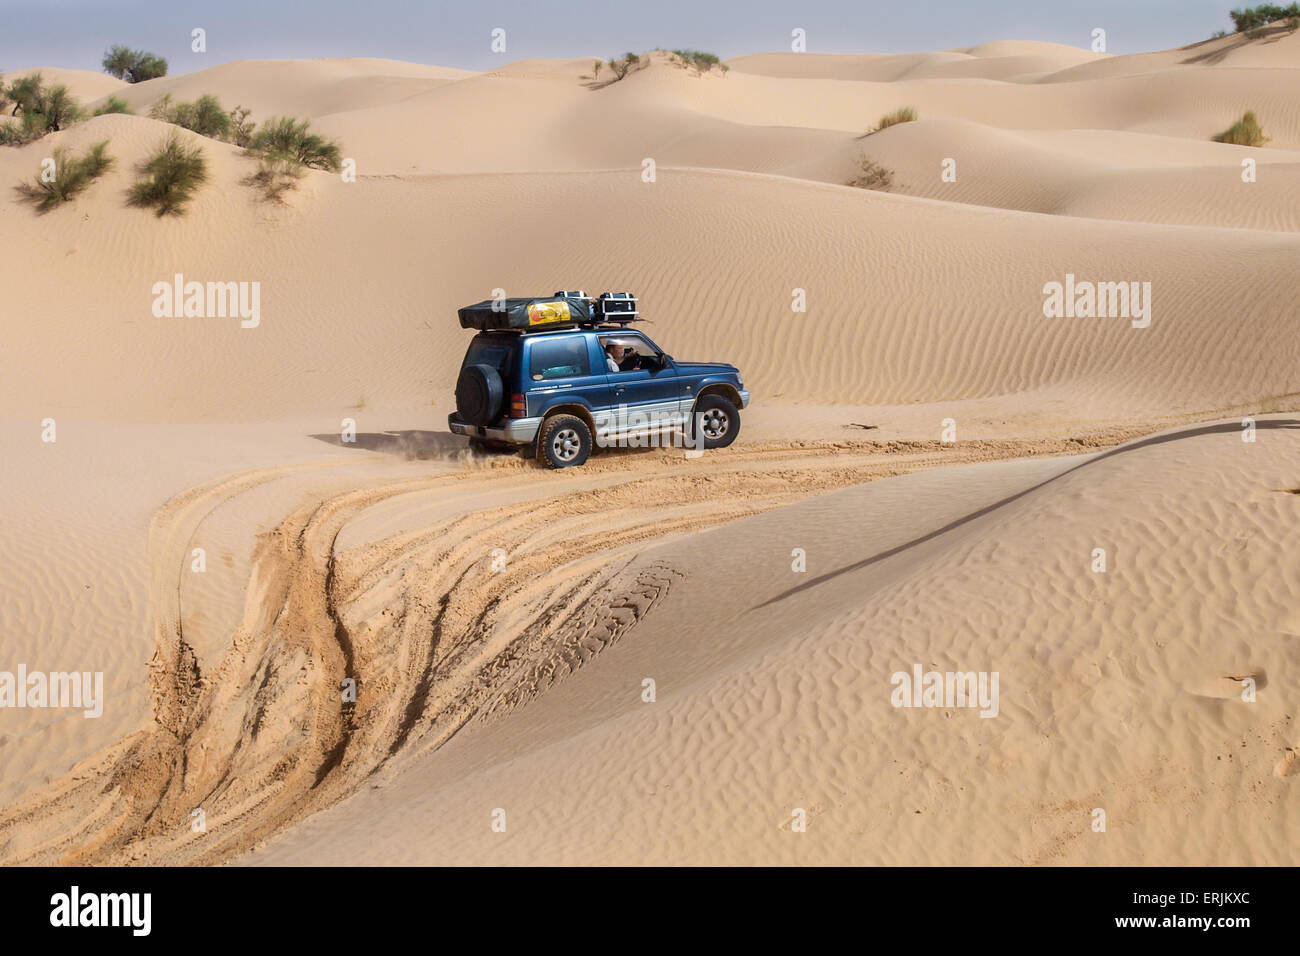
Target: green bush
(114,104)
(204,116)
(1249,18)
(72,174)
(134,66)
(44,109)
(873,176)
(284,137)
(701,61)
(905,114)
(24,93)
(170,178)
(1245,132)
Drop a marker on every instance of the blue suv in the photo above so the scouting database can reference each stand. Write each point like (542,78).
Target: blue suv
(558,393)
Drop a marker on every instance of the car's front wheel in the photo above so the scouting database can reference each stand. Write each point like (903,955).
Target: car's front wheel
(565,441)
(716,419)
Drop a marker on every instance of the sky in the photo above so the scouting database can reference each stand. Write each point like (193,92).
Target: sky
(75,33)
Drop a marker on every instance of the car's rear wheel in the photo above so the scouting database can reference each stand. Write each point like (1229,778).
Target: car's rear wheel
(565,441)
(716,419)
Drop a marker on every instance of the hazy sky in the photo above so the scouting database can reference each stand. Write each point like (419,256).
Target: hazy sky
(75,33)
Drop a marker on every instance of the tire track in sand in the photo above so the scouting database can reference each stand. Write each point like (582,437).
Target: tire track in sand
(471,615)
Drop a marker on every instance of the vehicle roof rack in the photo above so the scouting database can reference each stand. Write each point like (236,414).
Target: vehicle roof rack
(559,311)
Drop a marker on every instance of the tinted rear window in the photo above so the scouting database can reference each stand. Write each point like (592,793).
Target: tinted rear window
(492,350)
(558,358)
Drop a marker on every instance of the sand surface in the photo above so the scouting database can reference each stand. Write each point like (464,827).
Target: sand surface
(501,621)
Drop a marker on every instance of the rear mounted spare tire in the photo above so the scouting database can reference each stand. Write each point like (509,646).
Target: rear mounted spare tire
(480,394)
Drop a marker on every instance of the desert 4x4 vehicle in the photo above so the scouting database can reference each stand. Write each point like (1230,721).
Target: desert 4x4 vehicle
(555,376)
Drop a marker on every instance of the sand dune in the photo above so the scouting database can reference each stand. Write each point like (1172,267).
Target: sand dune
(879,328)
(520,687)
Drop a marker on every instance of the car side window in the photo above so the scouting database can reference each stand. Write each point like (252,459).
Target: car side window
(640,356)
(558,358)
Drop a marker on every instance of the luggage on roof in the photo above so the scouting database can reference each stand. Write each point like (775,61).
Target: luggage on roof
(617,307)
(554,311)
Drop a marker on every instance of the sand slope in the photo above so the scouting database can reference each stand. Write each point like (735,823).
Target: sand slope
(1118,691)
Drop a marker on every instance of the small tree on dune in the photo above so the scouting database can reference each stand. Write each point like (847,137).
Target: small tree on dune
(24,93)
(133,66)
(621,67)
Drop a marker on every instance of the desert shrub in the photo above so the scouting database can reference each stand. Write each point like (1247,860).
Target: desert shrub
(1245,132)
(595,70)
(72,174)
(170,177)
(204,116)
(624,65)
(30,128)
(163,108)
(24,92)
(701,61)
(44,109)
(134,66)
(284,137)
(241,128)
(114,104)
(1248,18)
(873,176)
(904,114)
(59,108)
(276,176)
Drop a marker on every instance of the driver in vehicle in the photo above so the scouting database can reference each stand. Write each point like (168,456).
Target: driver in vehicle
(621,358)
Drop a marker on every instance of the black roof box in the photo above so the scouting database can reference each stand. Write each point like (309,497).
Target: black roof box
(550,312)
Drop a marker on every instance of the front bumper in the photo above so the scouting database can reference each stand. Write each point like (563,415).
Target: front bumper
(744,397)
(516,431)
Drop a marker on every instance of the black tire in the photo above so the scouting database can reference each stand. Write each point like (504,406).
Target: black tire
(564,442)
(719,418)
(480,394)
